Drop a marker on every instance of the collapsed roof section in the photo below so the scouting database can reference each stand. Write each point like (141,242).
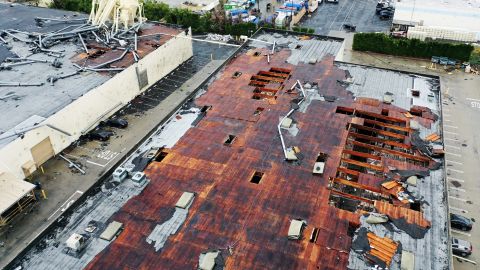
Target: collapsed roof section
(369,156)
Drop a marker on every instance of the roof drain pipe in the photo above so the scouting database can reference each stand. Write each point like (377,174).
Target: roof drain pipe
(290,156)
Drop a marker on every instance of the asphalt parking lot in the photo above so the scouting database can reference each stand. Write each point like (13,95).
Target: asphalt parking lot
(331,17)
(461,102)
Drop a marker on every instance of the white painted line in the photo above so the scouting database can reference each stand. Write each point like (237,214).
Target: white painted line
(473,99)
(458,209)
(94,163)
(460,232)
(455,179)
(458,199)
(66,204)
(454,162)
(454,147)
(446,110)
(453,170)
(463,259)
(450,139)
(457,189)
(449,132)
(446,120)
(446,115)
(111,159)
(449,153)
(450,126)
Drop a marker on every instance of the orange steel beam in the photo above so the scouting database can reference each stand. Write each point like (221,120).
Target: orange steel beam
(282,70)
(265,78)
(363,164)
(357,185)
(350,196)
(348,171)
(379,131)
(273,74)
(383,124)
(264,89)
(361,154)
(380,116)
(392,152)
(375,139)
(253,82)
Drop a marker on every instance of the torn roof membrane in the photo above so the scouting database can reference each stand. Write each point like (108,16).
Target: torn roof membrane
(363,142)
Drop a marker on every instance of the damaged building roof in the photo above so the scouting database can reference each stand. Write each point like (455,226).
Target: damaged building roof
(379,193)
(36,80)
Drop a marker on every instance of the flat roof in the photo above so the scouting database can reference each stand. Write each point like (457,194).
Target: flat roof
(12,191)
(248,193)
(23,107)
(456,15)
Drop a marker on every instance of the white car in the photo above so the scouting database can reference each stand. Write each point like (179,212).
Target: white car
(320,1)
(333,1)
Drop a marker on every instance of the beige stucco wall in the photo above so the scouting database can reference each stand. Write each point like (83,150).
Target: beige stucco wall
(86,112)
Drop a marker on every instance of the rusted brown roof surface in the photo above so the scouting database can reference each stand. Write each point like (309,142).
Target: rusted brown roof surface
(253,219)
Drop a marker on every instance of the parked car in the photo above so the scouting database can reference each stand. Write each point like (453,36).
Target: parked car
(333,1)
(100,135)
(320,1)
(349,27)
(461,247)
(116,122)
(460,222)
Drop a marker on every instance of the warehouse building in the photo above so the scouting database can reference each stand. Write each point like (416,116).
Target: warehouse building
(443,20)
(60,75)
(289,159)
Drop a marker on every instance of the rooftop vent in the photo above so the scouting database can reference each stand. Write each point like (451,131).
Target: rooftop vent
(258,111)
(256,178)
(236,74)
(319,165)
(296,229)
(229,140)
(76,242)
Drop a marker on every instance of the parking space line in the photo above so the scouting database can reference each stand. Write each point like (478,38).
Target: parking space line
(451,139)
(94,163)
(458,199)
(454,170)
(454,147)
(458,209)
(111,159)
(450,126)
(454,162)
(455,179)
(457,189)
(449,153)
(466,260)
(473,99)
(460,232)
(66,204)
(446,115)
(446,110)
(449,132)
(446,120)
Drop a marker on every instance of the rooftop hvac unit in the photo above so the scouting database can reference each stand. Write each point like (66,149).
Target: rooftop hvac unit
(139,178)
(75,242)
(120,174)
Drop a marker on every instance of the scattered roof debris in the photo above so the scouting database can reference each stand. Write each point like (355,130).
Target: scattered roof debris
(361,208)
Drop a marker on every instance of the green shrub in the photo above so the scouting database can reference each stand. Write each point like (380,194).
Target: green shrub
(311,31)
(381,43)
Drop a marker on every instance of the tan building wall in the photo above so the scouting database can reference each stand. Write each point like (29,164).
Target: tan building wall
(86,112)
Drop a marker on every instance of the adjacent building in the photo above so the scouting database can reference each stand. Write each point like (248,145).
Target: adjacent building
(60,77)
